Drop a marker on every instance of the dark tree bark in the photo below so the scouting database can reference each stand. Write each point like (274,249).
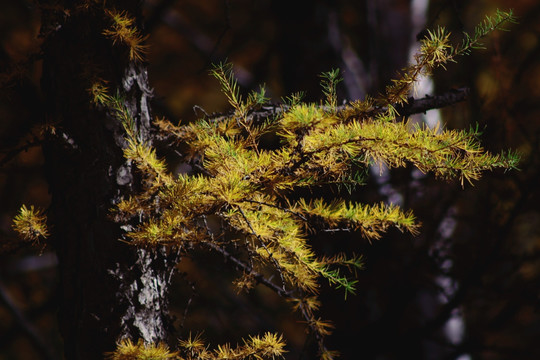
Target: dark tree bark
(108,289)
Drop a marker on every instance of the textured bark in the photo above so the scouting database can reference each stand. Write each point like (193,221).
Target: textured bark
(108,290)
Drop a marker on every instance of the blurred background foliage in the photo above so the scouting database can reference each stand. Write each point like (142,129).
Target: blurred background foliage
(467,287)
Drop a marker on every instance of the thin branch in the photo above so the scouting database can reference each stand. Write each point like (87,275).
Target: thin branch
(418,106)
(287,294)
(258,237)
(27,328)
(277,207)
(413,106)
(190,300)
(336,230)
(11,154)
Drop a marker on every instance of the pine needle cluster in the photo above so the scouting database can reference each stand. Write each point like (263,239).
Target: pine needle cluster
(127,350)
(124,31)
(31,224)
(268,346)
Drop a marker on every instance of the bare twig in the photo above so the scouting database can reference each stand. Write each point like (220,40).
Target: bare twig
(417,106)
(287,294)
(11,154)
(26,327)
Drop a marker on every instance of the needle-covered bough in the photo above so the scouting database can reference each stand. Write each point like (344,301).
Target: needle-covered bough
(247,167)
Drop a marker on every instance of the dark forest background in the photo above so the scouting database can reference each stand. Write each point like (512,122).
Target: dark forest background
(468,287)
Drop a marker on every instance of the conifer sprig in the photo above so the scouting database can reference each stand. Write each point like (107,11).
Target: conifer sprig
(124,31)
(249,188)
(31,224)
(436,51)
(371,221)
(329,83)
(224,73)
(487,26)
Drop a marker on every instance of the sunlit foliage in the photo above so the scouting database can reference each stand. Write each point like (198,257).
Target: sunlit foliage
(245,194)
(124,31)
(31,224)
(249,189)
(127,350)
(268,346)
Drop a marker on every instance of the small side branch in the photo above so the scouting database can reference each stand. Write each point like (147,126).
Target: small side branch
(13,153)
(26,327)
(286,294)
(258,237)
(418,106)
(413,106)
(277,207)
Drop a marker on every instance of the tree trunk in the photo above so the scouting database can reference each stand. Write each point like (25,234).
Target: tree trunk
(108,290)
